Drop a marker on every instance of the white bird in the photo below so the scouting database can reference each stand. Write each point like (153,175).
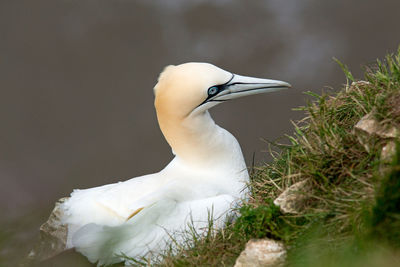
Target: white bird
(208,174)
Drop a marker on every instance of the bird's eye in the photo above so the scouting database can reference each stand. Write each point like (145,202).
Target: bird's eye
(212,90)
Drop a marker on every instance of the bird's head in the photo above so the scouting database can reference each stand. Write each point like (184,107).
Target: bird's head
(192,88)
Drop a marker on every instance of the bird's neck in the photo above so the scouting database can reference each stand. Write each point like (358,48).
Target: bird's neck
(196,139)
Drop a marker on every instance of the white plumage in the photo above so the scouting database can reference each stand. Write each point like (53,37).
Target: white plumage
(208,175)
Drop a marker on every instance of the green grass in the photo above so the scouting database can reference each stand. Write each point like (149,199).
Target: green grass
(352,213)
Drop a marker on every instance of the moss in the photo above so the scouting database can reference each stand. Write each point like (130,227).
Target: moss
(262,221)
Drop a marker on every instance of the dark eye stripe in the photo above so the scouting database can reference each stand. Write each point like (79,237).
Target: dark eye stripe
(219,88)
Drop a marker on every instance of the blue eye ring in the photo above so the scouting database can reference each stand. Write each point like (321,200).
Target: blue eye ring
(213,90)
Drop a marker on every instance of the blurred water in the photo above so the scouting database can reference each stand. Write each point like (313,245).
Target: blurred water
(76,79)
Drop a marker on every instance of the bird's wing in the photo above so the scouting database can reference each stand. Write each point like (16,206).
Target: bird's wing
(150,229)
(112,204)
(106,244)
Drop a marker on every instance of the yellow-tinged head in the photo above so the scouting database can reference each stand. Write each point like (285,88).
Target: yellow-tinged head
(181,89)
(195,87)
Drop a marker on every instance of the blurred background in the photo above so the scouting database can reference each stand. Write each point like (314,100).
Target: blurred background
(76,80)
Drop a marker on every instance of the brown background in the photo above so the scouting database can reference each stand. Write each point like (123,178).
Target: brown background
(76,79)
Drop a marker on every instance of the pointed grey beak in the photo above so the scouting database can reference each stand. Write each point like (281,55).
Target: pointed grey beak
(236,87)
(240,86)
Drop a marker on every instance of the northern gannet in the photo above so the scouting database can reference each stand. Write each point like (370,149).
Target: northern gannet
(207,176)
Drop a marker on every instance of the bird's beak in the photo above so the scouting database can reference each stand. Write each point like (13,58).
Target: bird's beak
(240,86)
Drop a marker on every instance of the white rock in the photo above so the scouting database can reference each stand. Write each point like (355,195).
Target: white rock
(388,151)
(262,253)
(369,126)
(291,200)
(53,236)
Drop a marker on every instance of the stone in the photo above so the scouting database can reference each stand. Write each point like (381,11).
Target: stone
(388,152)
(53,236)
(291,200)
(360,83)
(368,126)
(262,253)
